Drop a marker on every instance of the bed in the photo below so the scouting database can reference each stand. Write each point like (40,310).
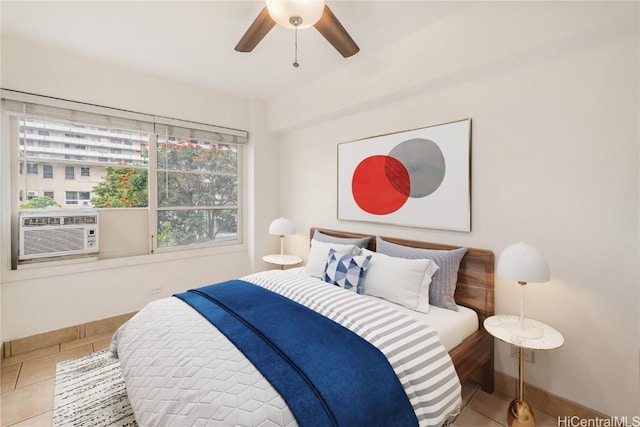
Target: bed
(370,364)
(474,290)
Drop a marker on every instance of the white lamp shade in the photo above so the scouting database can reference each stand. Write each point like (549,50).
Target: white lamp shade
(524,263)
(309,10)
(281,227)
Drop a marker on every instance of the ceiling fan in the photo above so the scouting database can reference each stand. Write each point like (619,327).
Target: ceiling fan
(298,14)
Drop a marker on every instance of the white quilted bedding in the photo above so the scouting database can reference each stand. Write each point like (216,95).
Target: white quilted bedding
(181,371)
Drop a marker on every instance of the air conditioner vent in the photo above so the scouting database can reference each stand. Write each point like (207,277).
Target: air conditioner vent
(41,221)
(43,241)
(83,219)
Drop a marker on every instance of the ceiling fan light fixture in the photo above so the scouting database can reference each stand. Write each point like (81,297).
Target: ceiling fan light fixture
(282,11)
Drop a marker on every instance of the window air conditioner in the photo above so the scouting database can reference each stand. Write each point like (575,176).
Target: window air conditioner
(31,194)
(53,233)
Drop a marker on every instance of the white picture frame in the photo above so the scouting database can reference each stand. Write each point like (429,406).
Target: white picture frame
(416,178)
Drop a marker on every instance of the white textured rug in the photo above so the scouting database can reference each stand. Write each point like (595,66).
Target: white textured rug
(90,392)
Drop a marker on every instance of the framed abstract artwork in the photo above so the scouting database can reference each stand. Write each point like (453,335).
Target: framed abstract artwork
(417,178)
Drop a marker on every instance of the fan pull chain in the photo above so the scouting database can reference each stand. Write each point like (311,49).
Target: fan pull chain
(296,21)
(295,62)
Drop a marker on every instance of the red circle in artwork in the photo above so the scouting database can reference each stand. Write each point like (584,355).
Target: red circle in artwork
(380,185)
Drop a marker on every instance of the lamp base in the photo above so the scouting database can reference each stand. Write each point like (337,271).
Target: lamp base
(528,331)
(520,414)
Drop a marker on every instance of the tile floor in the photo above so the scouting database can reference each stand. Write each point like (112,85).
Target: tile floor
(28,390)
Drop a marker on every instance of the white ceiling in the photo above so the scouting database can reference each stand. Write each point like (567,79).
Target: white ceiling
(194,40)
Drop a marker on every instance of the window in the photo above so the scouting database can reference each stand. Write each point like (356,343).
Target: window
(197,188)
(74,135)
(77,197)
(195,173)
(82,191)
(69,172)
(75,146)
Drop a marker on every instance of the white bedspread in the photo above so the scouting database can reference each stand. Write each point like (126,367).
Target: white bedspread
(180,370)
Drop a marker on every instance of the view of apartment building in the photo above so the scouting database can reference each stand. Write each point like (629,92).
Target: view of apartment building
(66,161)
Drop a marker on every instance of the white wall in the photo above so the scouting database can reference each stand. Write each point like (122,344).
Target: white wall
(552,89)
(43,70)
(41,300)
(263,177)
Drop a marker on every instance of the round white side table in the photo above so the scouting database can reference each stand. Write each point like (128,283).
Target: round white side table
(282,260)
(535,336)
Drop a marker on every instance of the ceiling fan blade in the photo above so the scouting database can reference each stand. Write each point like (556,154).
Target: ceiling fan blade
(334,32)
(256,32)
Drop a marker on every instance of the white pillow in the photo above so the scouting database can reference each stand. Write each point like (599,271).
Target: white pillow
(319,253)
(399,280)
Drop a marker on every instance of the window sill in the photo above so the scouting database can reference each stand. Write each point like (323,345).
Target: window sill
(90,264)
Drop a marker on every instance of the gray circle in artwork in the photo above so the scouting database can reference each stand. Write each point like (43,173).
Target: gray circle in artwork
(424,162)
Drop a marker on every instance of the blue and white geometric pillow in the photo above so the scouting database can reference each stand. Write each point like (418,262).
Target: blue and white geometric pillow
(346,270)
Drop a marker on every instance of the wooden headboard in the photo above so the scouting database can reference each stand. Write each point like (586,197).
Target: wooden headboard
(475,278)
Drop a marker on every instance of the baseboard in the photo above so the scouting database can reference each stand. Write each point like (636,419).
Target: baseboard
(548,403)
(61,336)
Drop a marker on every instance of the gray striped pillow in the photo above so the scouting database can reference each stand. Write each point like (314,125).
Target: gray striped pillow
(443,284)
(325,238)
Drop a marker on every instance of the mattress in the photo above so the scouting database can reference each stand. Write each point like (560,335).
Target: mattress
(180,370)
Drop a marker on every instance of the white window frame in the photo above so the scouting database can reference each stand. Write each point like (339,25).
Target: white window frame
(198,131)
(78,200)
(39,106)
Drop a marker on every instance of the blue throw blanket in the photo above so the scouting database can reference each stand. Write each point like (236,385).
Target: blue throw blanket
(328,375)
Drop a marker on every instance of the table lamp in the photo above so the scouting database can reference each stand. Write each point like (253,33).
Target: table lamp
(525,264)
(281,227)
